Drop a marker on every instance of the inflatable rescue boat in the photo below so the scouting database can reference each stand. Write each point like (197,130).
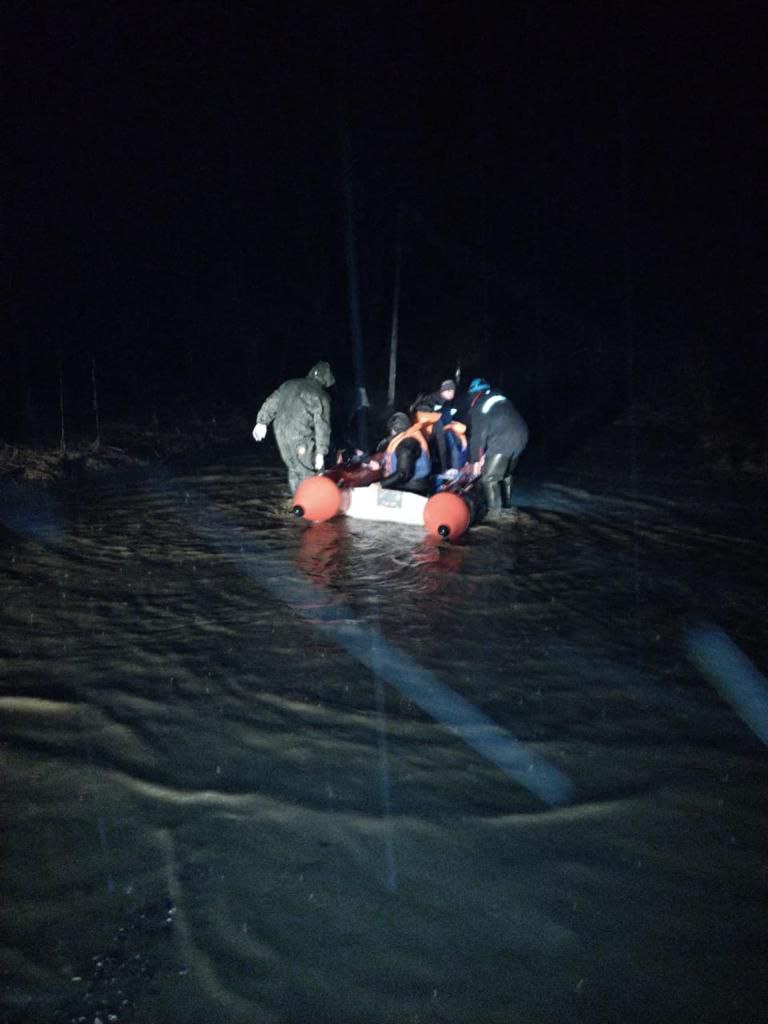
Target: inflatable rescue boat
(354,490)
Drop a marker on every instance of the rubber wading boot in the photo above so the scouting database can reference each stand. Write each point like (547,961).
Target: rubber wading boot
(492,492)
(506,492)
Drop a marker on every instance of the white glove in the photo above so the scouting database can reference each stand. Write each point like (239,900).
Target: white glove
(259,432)
(319,461)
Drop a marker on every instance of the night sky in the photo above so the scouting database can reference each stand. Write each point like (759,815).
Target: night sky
(580,187)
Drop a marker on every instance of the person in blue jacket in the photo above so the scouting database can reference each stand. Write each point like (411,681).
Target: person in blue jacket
(498,435)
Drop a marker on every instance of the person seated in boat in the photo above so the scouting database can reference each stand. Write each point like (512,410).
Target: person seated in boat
(407,461)
(446,437)
(451,446)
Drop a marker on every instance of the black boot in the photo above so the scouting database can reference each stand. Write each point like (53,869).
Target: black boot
(492,492)
(506,492)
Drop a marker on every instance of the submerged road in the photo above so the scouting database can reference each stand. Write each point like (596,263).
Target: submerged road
(259,771)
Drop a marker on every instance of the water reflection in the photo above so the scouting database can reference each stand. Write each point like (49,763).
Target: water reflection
(440,558)
(321,551)
(332,552)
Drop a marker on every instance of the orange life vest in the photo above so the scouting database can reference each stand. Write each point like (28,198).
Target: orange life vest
(426,420)
(415,430)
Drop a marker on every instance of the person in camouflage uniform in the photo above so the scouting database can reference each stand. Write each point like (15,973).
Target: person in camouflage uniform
(300,411)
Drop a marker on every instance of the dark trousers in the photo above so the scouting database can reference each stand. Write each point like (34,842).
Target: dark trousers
(447,452)
(497,480)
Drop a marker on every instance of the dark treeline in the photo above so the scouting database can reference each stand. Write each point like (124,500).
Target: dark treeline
(580,192)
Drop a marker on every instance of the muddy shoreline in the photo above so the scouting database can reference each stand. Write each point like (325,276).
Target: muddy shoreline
(122,448)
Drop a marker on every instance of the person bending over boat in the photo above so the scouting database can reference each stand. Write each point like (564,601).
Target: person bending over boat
(300,411)
(498,435)
(407,462)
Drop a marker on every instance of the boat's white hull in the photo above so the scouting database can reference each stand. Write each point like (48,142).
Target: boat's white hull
(384,506)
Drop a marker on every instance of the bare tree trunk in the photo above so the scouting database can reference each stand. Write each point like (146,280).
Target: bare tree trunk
(395,314)
(63,437)
(353,283)
(97,442)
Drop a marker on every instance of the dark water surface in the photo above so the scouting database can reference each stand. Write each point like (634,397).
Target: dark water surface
(229,792)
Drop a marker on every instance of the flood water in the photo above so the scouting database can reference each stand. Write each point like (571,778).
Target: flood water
(255,771)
